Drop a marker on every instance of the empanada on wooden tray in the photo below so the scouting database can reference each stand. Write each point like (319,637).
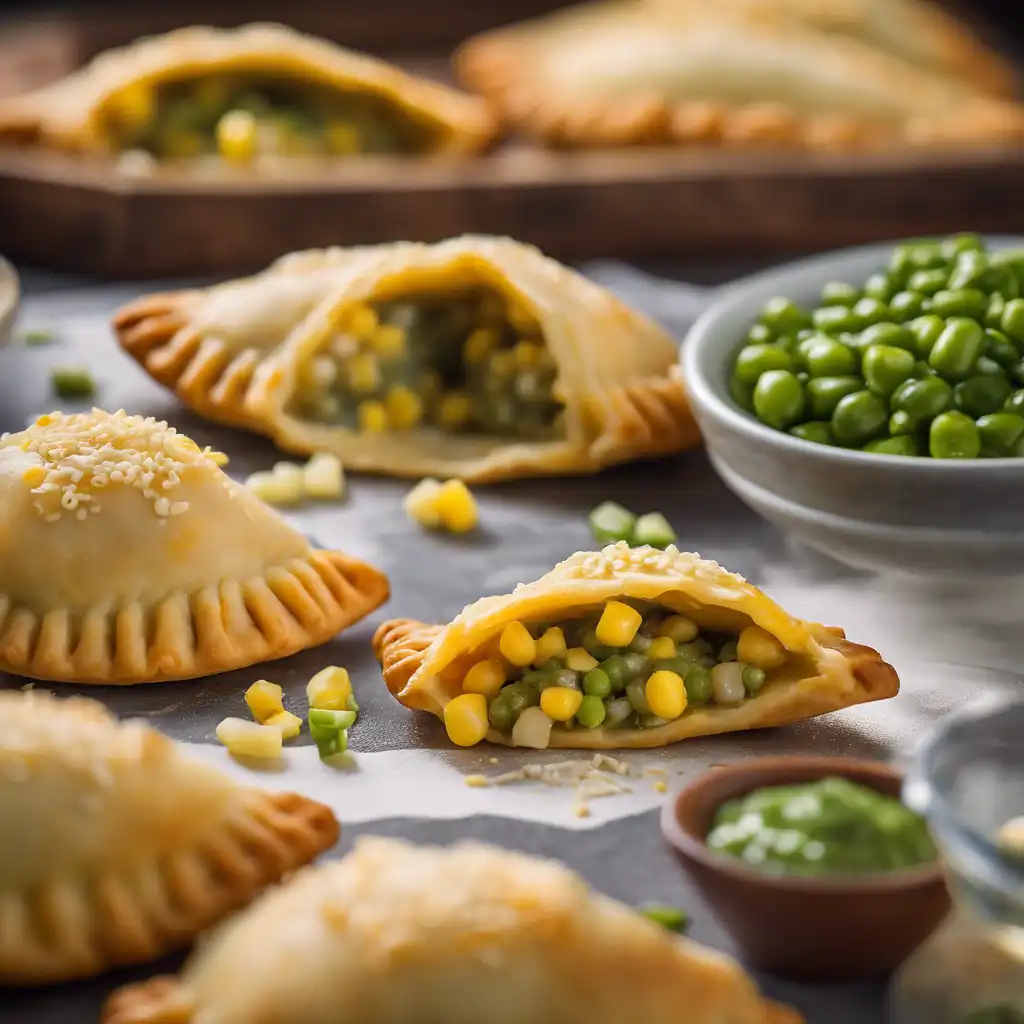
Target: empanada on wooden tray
(476,357)
(625,648)
(118,848)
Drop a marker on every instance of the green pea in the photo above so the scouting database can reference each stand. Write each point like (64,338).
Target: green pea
(817,431)
(888,333)
(906,305)
(964,242)
(1001,281)
(995,310)
(968,270)
(754,360)
(859,418)
(953,435)
(878,286)
(617,671)
(826,357)
(927,282)
(978,396)
(987,367)
(1015,403)
(637,696)
(784,316)
(699,687)
(742,394)
(901,422)
(824,393)
(501,713)
(923,400)
(967,302)
(837,293)
(835,319)
(779,399)
(926,331)
(1012,322)
(1012,260)
(957,348)
(1000,432)
(591,712)
(1000,349)
(886,367)
(760,334)
(597,684)
(871,311)
(903,445)
(753,679)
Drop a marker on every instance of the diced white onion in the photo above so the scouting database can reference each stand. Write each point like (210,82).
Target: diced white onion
(532,729)
(727,679)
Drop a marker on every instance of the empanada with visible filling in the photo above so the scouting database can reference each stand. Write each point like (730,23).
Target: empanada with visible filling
(626,647)
(477,357)
(118,848)
(621,73)
(127,555)
(468,934)
(246,93)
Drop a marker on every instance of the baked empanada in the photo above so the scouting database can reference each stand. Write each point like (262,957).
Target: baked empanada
(257,91)
(468,934)
(622,73)
(117,849)
(626,647)
(476,357)
(127,555)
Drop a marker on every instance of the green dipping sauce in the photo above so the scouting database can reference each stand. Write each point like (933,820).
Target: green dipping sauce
(829,827)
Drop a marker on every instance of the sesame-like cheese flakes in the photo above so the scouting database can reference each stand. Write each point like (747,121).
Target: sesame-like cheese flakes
(619,559)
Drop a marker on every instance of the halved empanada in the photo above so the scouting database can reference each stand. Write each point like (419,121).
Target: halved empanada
(477,357)
(626,647)
(241,93)
(622,73)
(117,849)
(127,555)
(468,934)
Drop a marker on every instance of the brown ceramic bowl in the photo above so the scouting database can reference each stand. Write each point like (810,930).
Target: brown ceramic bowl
(814,929)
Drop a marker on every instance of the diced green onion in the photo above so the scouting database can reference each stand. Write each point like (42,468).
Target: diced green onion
(610,522)
(330,743)
(38,336)
(322,719)
(72,382)
(672,918)
(653,529)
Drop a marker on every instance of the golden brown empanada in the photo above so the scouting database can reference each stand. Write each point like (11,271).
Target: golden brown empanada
(257,91)
(117,848)
(468,934)
(477,357)
(622,73)
(626,647)
(127,555)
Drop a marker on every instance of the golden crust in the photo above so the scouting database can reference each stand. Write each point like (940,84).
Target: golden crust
(622,73)
(212,581)
(614,364)
(67,113)
(126,849)
(469,932)
(423,664)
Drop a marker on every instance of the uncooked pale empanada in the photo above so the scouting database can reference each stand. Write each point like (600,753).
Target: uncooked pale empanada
(117,849)
(626,647)
(477,357)
(242,93)
(127,555)
(622,73)
(469,934)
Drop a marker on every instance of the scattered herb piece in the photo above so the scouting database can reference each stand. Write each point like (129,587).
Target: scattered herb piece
(72,382)
(38,336)
(672,918)
(611,522)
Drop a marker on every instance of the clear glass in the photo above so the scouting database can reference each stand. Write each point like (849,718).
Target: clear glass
(967,778)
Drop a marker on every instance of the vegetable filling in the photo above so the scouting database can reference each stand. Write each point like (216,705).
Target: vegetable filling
(469,362)
(625,666)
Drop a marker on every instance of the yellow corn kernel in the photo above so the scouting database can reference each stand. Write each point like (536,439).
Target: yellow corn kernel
(362,322)
(517,646)
(323,476)
(661,648)
(363,372)
(33,476)
(404,407)
(290,725)
(134,107)
(520,317)
(217,458)
(236,136)
(479,344)
(528,354)
(486,677)
(247,739)
(551,644)
(580,660)
(465,719)
(330,689)
(618,624)
(372,417)
(341,137)
(421,503)
(757,646)
(454,411)
(679,629)
(457,507)
(289,473)
(264,699)
(502,363)
(388,341)
(666,694)
(560,703)
(274,489)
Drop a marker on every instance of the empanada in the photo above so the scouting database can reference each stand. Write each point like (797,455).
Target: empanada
(622,73)
(117,849)
(257,91)
(477,357)
(468,934)
(626,647)
(127,555)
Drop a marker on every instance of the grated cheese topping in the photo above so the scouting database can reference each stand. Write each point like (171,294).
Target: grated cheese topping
(618,559)
(84,453)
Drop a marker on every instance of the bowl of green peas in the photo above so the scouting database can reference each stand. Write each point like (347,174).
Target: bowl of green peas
(871,401)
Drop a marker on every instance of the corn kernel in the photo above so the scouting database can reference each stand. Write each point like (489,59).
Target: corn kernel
(318,373)
(372,417)
(33,476)
(454,411)
(363,373)
(457,507)
(517,646)
(341,137)
(404,407)
(134,107)
(330,689)
(290,725)
(757,646)
(236,136)
(679,628)
(528,354)
(666,694)
(551,644)
(560,703)
(289,473)
(323,476)
(465,719)
(274,490)
(247,739)
(486,677)
(421,503)
(503,363)
(479,344)
(362,322)
(661,648)
(580,660)
(618,624)
(520,317)
(264,700)
(388,341)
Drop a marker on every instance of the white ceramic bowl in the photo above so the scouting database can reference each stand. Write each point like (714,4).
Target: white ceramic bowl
(921,516)
(10,293)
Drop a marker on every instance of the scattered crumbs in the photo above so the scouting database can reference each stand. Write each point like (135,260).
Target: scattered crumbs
(28,686)
(655,771)
(581,811)
(477,781)
(492,760)
(38,336)
(660,787)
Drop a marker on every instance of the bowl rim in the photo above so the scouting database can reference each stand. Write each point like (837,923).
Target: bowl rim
(696,849)
(9,311)
(705,396)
